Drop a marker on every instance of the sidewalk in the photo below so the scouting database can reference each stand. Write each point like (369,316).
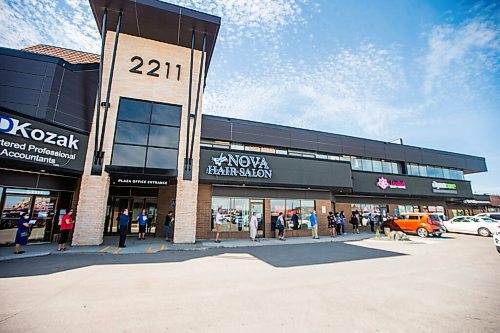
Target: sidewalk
(154,245)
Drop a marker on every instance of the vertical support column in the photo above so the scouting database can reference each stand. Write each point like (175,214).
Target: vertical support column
(91,209)
(187,185)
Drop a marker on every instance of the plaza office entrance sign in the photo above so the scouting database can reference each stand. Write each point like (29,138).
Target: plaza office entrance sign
(26,140)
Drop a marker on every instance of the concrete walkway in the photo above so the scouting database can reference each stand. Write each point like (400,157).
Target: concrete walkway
(153,245)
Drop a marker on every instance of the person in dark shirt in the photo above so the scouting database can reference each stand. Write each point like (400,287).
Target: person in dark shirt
(295,221)
(169,220)
(23,233)
(123,221)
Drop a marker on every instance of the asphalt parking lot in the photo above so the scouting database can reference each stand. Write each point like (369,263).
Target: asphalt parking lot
(449,284)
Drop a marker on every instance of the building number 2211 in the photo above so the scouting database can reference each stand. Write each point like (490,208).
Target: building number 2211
(154,67)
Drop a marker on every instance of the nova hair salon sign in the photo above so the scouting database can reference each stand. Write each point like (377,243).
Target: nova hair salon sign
(235,165)
(35,142)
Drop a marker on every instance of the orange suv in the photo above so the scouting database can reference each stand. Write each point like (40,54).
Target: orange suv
(422,224)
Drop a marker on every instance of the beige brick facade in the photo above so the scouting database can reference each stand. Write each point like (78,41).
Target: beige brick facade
(95,189)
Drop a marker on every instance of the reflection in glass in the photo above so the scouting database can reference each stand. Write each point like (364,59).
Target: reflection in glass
(164,136)
(132,156)
(131,133)
(130,109)
(165,114)
(377,166)
(162,158)
(386,167)
(367,165)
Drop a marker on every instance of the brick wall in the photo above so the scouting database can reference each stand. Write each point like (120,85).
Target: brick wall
(165,196)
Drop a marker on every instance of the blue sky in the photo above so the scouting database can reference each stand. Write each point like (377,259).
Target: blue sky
(424,71)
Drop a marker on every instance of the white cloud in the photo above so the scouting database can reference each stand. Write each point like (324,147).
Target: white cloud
(458,54)
(67,24)
(242,19)
(353,91)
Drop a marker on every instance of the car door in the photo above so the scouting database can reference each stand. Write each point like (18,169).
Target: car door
(413,223)
(474,224)
(455,224)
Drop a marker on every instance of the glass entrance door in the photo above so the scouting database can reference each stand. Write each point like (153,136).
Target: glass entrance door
(135,205)
(257,207)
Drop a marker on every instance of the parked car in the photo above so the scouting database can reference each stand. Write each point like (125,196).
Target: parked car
(495,216)
(483,226)
(422,224)
(496,238)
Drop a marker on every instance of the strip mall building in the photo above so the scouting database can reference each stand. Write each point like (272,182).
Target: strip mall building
(124,129)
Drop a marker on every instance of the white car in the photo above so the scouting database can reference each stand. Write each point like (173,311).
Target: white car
(483,226)
(495,216)
(496,238)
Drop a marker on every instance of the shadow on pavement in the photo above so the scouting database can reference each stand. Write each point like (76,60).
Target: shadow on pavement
(277,256)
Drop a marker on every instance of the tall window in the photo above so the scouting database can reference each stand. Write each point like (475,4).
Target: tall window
(147,135)
(235,212)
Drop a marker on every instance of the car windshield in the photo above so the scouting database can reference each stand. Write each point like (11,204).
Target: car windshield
(488,219)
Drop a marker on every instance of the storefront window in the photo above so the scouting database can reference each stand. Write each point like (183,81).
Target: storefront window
(422,170)
(235,212)
(306,209)
(303,209)
(292,208)
(446,173)
(413,170)
(237,146)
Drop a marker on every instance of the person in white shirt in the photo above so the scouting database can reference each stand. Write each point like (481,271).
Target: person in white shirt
(219,219)
(254,224)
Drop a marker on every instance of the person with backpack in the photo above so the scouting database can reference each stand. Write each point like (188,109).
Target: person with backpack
(280,223)
(331,223)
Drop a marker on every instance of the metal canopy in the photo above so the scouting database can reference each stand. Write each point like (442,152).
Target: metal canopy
(160,21)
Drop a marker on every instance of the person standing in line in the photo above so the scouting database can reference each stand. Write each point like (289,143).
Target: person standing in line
(295,221)
(66,227)
(142,220)
(169,219)
(314,225)
(219,219)
(343,224)
(254,224)
(280,223)
(371,218)
(355,223)
(123,221)
(23,233)
(331,223)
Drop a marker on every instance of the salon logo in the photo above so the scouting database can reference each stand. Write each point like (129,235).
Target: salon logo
(239,166)
(384,184)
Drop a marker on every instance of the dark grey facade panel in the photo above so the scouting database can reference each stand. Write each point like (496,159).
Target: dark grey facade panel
(41,87)
(286,171)
(264,193)
(394,152)
(37,181)
(366,183)
(249,132)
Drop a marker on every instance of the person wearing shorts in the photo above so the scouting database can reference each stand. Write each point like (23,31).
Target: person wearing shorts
(219,219)
(142,219)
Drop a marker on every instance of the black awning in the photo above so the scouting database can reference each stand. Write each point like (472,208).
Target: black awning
(160,21)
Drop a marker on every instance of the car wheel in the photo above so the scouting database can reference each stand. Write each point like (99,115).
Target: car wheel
(439,235)
(422,232)
(483,232)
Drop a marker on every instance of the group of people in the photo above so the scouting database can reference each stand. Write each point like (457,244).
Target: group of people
(337,223)
(142,221)
(24,227)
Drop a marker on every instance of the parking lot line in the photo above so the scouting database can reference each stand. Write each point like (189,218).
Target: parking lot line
(104,249)
(118,250)
(149,250)
(162,247)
